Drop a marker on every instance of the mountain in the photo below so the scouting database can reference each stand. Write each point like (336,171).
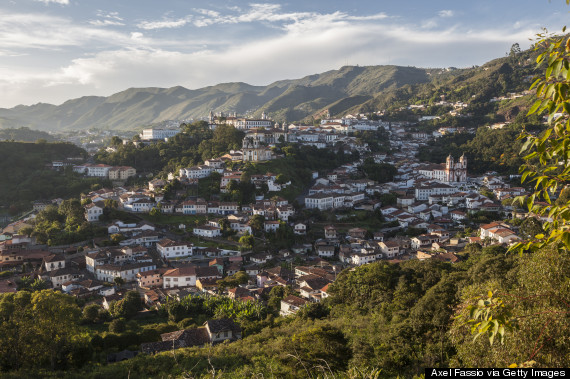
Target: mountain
(286,99)
(346,90)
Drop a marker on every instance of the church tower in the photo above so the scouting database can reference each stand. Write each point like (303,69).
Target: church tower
(462,169)
(449,169)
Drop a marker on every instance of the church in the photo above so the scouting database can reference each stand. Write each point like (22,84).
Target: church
(254,151)
(450,172)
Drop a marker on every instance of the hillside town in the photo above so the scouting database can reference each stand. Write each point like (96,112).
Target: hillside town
(429,210)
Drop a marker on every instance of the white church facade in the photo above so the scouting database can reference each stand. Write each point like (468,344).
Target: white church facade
(450,172)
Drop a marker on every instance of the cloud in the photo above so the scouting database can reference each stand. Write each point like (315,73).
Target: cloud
(164,24)
(46,2)
(446,13)
(305,43)
(262,61)
(19,31)
(106,23)
(255,13)
(108,19)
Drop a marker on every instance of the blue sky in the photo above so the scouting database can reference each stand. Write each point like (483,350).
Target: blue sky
(55,50)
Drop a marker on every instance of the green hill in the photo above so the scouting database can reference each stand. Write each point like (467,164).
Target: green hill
(350,89)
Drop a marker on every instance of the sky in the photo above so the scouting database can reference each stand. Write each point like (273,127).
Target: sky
(55,50)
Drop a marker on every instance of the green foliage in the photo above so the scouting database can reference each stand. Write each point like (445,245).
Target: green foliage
(91,313)
(117,326)
(30,180)
(488,149)
(64,224)
(491,317)
(193,146)
(323,346)
(38,330)
(547,157)
(240,277)
(128,306)
(246,242)
(23,134)
(380,172)
(313,311)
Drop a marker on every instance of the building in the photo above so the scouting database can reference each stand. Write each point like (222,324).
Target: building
(121,172)
(168,248)
(125,270)
(254,151)
(207,231)
(99,170)
(213,332)
(450,172)
(152,278)
(291,304)
(93,211)
(241,123)
(179,277)
(158,134)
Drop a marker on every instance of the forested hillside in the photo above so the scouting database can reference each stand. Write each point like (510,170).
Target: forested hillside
(24,134)
(25,177)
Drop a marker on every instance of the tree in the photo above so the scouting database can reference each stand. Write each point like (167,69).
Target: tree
(37,330)
(257,223)
(515,50)
(547,159)
(117,326)
(530,227)
(91,312)
(547,167)
(128,306)
(116,141)
(247,241)
(117,238)
(119,282)
(324,345)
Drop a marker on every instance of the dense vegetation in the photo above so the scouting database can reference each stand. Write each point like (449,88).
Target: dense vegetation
(26,177)
(489,150)
(196,144)
(64,224)
(24,134)
(397,317)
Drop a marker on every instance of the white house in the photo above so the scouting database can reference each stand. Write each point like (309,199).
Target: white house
(93,211)
(300,229)
(271,226)
(179,277)
(168,248)
(207,231)
(389,248)
(320,200)
(291,304)
(126,271)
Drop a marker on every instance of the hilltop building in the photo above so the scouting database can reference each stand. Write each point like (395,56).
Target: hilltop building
(254,151)
(157,134)
(241,123)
